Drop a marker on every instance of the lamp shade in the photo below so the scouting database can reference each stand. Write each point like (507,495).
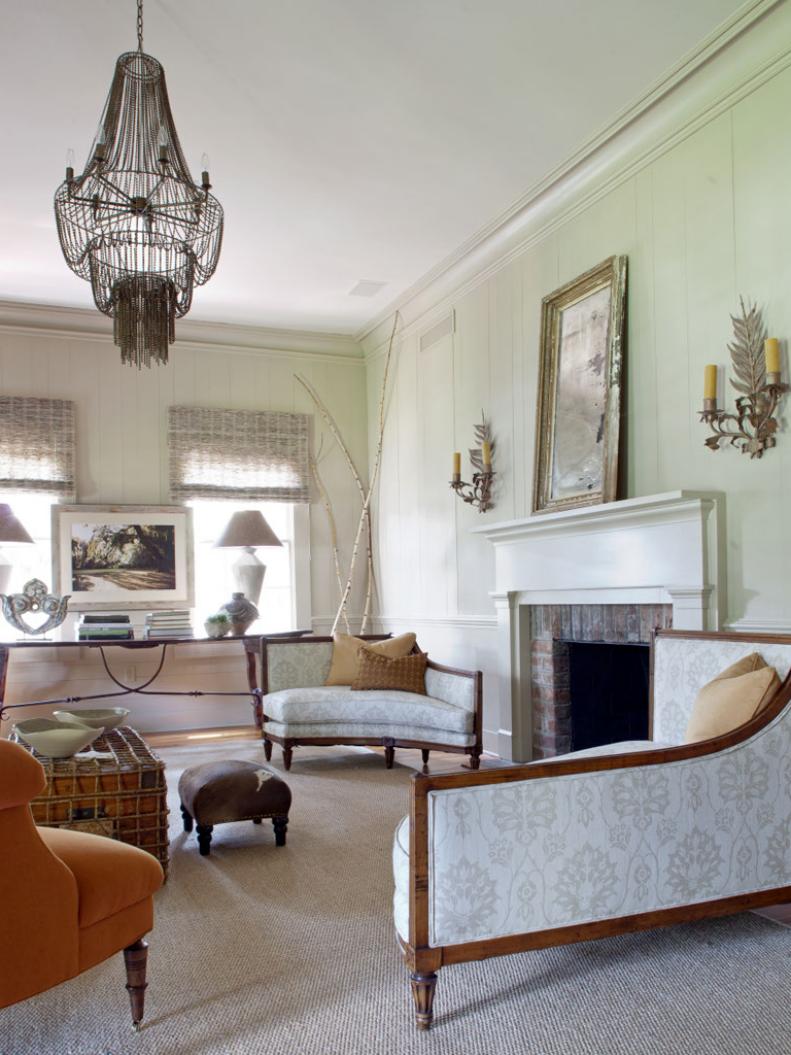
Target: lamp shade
(10,528)
(247,528)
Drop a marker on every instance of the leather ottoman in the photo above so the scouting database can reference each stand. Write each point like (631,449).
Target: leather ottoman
(220,792)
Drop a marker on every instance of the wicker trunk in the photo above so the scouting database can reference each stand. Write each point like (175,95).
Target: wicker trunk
(117,789)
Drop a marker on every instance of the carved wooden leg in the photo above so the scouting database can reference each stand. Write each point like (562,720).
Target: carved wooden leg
(389,745)
(268,750)
(280,824)
(204,838)
(287,753)
(475,758)
(423,986)
(425,752)
(135,958)
(187,818)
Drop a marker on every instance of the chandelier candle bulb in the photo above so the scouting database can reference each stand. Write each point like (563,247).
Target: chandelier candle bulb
(486,455)
(772,357)
(457,465)
(710,383)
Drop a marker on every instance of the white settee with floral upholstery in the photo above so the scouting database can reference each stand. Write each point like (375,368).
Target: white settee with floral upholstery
(600,842)
(298,708)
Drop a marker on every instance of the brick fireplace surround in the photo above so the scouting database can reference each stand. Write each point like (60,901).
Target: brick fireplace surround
(552,626)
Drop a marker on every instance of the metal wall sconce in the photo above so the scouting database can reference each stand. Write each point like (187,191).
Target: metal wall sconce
(479,492)
(756,364)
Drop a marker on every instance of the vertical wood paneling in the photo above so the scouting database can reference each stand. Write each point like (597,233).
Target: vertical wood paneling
(436,502)
(703,222)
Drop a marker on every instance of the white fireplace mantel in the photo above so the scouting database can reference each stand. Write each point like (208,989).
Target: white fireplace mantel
(661,549)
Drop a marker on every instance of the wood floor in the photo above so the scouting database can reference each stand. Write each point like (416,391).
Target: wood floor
(439,762)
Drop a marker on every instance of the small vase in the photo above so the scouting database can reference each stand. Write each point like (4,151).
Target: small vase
(241,612)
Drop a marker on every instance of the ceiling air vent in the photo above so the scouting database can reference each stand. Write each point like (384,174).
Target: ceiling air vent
(366,287)
(444,328)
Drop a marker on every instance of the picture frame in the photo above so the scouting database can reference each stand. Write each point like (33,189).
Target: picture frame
(123,557)
(579,390)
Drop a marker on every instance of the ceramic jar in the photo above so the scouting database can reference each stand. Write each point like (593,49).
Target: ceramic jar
(241,612)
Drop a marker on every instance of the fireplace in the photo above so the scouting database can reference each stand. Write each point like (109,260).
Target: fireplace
(608,685)
(608,573)
(556,631)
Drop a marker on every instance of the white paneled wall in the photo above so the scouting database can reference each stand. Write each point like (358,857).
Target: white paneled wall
(704,215)
(122,457)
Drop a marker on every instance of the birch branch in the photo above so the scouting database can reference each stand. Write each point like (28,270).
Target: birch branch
(364,514)
(336,433)
(325,498)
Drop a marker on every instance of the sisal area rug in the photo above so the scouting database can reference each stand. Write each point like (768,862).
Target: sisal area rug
(292,952)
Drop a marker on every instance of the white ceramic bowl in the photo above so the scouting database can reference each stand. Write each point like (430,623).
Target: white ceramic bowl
(96,718)
(56,739)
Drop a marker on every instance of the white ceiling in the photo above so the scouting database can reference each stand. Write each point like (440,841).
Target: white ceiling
(349,139)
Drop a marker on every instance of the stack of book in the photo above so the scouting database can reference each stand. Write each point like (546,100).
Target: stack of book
(105,627)
(168,624)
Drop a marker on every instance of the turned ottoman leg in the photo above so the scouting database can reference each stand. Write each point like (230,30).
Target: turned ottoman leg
(268,750)
(280,824)
(425,752)
(287,753)
(475,758)
(204,838)
(186,816)
(135,959)
(423,986)
(256,820)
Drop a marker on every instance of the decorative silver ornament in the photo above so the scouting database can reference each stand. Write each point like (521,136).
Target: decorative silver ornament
(34,598)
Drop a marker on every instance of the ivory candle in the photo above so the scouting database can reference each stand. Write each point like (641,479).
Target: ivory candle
(772,355)
(710,381)
(486,454)
(457,463)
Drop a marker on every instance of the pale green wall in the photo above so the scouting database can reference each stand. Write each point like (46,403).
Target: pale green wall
(706,220)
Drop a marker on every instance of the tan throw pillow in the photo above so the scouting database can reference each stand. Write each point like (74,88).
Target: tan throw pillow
(732,698)
(345,664)
(406,674)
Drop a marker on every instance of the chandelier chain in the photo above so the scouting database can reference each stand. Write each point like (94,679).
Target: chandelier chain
(139,25)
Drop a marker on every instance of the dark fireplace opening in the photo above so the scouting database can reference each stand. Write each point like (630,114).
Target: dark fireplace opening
(608,686)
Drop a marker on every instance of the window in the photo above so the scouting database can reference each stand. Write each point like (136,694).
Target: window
(30,562)
(286,565)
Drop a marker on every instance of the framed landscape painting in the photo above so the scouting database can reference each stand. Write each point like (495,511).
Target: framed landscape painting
(579,390)
(123,557)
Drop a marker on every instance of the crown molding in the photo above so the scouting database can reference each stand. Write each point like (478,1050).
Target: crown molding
(741,54)
(27,318)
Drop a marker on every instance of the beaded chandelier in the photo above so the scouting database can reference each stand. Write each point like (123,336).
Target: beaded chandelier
(134,224)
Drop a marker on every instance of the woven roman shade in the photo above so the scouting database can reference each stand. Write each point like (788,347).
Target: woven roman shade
(238,454)
(37,446)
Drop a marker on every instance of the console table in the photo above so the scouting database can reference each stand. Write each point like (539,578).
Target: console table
(252,645)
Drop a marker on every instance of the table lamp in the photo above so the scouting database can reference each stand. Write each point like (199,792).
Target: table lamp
(11,533)
(246,530)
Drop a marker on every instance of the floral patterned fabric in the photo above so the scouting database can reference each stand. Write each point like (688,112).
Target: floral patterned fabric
(452,688)
(337,703)
(292,666)
(682,666)
(552,852)
(369,731)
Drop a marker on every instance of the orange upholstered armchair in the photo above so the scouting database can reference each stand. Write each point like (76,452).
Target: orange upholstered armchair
(67,900)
